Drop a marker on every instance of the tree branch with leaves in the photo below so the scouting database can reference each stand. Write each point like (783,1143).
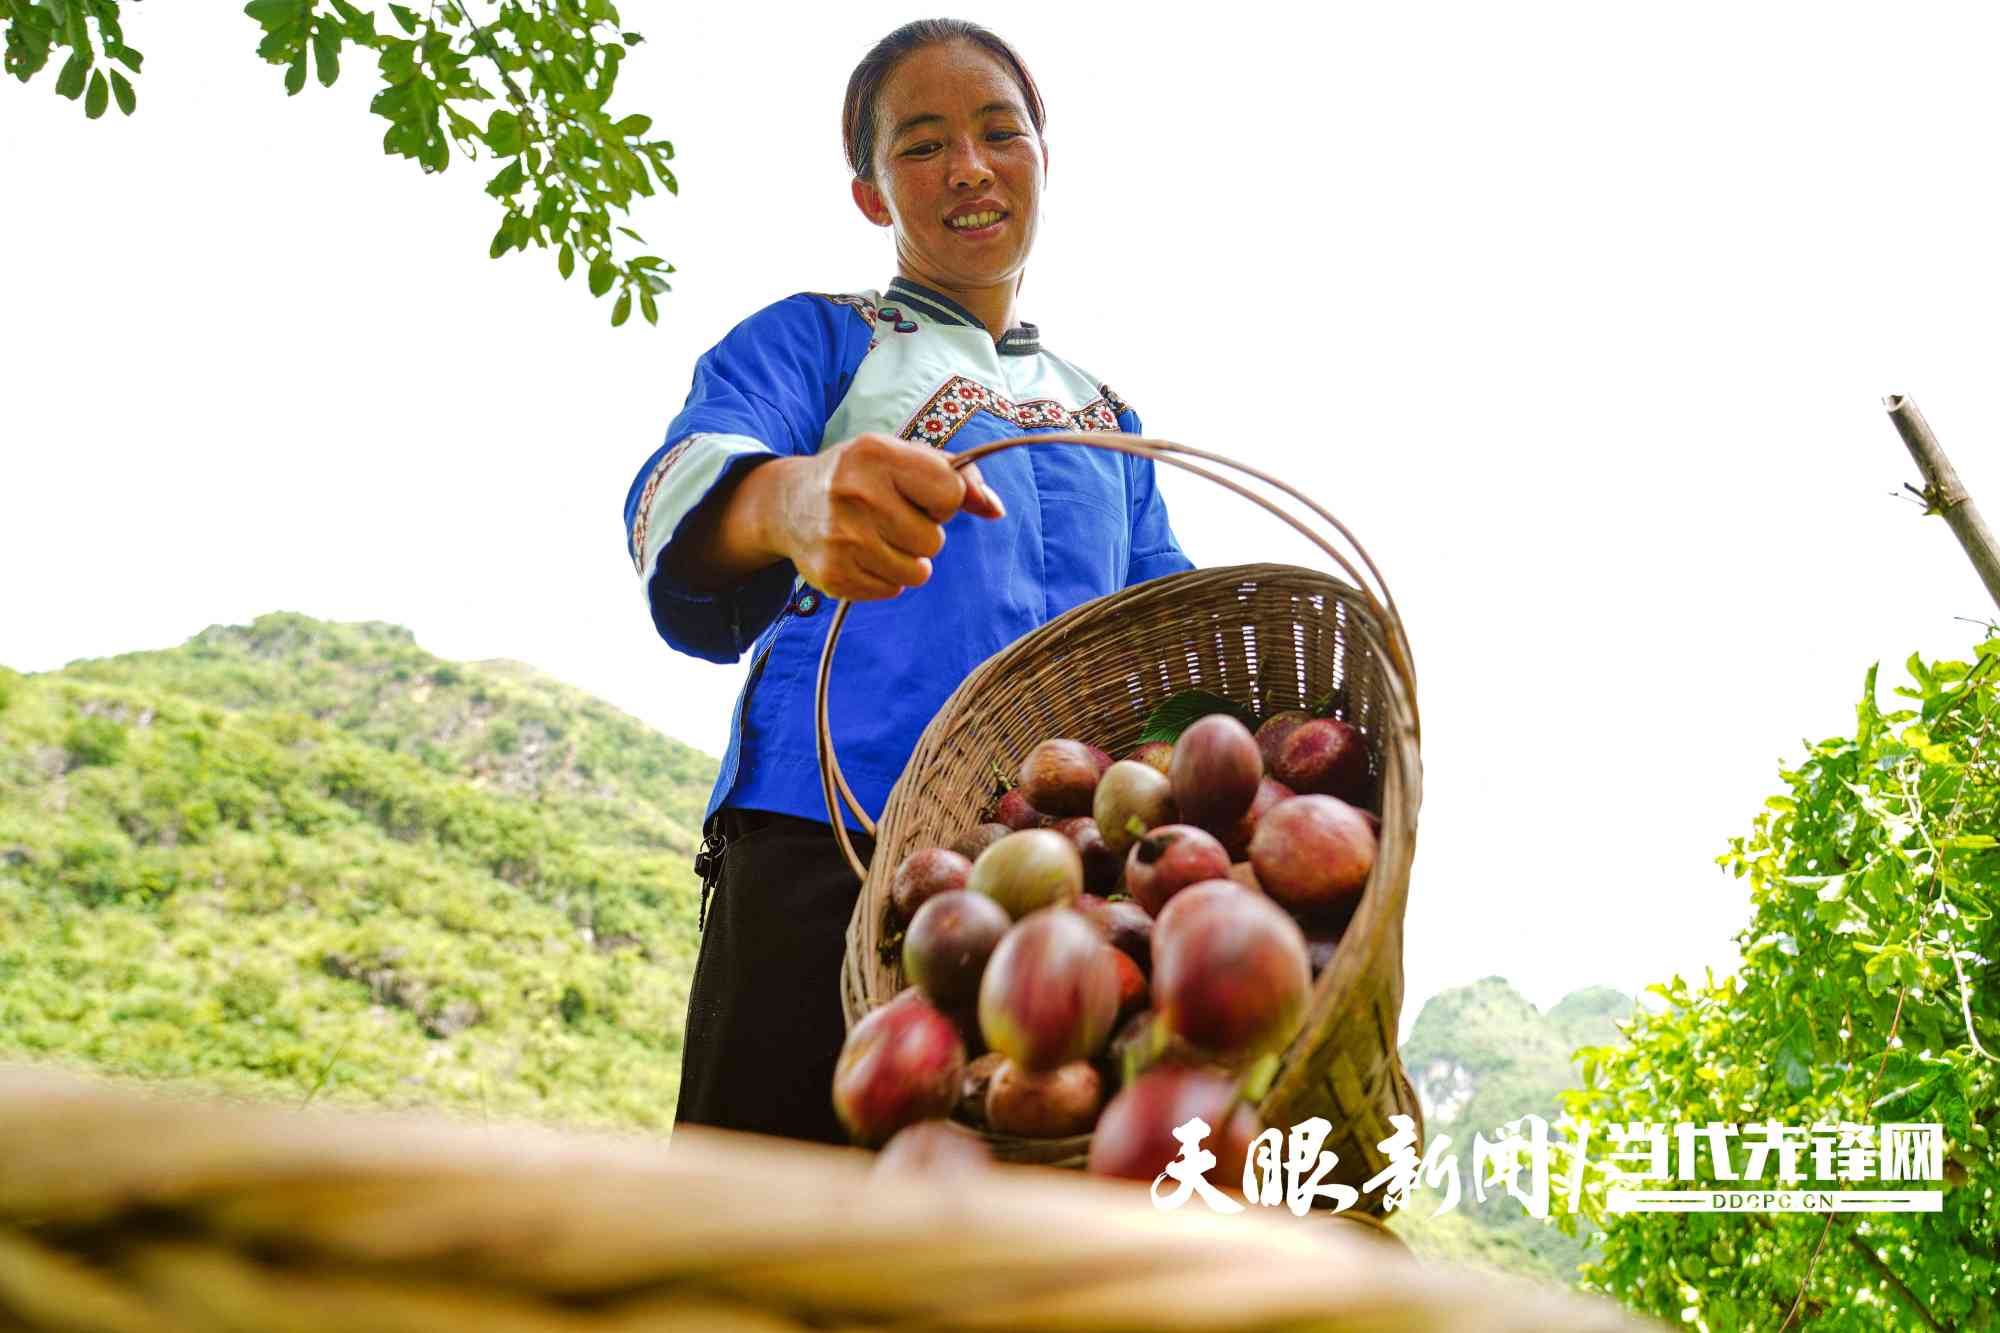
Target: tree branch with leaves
(1866,995)
(571,166)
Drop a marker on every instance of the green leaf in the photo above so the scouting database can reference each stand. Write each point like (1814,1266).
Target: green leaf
(602,275)
(647,307)
(1910,1100)
(27,48)
(632,126)
(622,309)
(1956,1117)
(1333,702)
(565,260)
(326,53)
(503,133)
(99,98)
(508,179)
(69,83)
(1795,1056)
(1257,1079)
(1176,713)
(1882,970)
(295,77)
(1972,841)
(271,13)
(404,16)
(121,88)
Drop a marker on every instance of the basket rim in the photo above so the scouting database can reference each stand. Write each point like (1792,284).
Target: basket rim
(1373,589)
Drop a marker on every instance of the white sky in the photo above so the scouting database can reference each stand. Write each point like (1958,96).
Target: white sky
(1579,315)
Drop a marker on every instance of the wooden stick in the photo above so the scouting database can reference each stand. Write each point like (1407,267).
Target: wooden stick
(1944,494)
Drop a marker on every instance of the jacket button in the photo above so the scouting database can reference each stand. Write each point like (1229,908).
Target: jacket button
(807,604)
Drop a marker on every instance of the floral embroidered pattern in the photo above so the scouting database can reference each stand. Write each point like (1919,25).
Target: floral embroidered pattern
(953,405)
(645,514)
(1113,401)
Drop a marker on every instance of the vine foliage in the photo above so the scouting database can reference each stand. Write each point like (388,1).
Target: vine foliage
(1866,994)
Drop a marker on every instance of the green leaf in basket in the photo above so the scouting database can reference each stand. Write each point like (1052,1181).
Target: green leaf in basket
(1178,712)
(1257,1079)
(1332,703)
(1140,1054)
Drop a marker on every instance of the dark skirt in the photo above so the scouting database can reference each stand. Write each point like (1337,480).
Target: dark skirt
(764,1023)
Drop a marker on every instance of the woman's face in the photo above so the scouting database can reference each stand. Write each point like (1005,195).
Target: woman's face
(953,140)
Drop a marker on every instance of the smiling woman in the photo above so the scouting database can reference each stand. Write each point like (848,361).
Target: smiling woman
(809,463)
(952,96)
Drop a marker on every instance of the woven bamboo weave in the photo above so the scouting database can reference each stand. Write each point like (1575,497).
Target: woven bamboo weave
(1269,636)
(127,1212)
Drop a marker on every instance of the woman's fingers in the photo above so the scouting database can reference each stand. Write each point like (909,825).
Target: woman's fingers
(905,528)
(925,478)
(885,503)
(864,590)
(929,481)
(888,565)
(980,498)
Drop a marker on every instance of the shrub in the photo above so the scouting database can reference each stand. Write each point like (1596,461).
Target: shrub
(248,992)
(94,741)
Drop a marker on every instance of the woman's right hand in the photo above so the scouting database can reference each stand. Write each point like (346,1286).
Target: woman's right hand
(861,519)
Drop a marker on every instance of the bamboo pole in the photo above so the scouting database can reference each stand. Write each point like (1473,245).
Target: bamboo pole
(1944,494)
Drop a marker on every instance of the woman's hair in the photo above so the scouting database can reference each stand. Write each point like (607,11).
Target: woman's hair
(857,122)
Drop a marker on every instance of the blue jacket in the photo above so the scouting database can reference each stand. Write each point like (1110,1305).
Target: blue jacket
(813,370)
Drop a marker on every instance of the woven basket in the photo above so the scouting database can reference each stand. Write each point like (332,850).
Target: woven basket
(1269,636)
(122,1212)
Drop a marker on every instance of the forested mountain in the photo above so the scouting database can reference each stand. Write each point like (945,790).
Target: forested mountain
(1480,1056)
(309,859)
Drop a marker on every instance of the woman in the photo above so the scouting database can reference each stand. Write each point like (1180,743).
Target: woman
(808,465)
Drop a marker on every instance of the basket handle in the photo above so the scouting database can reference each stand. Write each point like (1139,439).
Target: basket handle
(1380,603)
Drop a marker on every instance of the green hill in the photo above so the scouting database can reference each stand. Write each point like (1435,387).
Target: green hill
(1591,1017)
(304,859)
(1480,1056)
